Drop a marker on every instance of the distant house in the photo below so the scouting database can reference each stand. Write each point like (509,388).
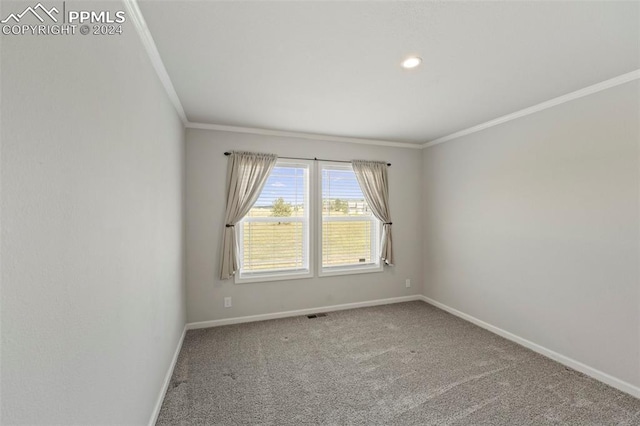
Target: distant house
(357,207)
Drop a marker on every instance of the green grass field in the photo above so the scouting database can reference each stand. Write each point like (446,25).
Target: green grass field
(274,245)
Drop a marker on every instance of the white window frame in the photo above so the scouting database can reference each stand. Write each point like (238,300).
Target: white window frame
(376,231)
(308,248)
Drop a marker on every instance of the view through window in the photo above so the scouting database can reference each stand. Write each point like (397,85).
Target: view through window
(349,229)
(274,236)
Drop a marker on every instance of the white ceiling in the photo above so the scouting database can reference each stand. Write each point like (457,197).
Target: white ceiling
(332,68)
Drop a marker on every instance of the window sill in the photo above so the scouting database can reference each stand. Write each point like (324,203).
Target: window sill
(280,276)
(332,272)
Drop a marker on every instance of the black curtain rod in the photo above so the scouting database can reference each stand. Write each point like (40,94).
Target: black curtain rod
(315,159)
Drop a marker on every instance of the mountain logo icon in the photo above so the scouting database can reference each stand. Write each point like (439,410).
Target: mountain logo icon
(33,11)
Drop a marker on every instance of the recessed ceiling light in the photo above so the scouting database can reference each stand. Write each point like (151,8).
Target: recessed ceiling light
(411,62)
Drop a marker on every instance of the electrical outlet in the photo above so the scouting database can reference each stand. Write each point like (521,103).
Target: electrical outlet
(407,283)
(227,302)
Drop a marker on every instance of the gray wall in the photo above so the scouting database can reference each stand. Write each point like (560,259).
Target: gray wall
(92,255)
(533,225)
(206,168)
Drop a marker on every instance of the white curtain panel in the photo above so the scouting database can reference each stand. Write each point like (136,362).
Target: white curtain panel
(374,183)
(247,173)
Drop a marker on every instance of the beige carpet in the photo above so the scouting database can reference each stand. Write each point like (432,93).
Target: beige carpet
(402,364)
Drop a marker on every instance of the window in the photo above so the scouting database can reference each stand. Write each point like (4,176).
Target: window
(274,237)
(350,233)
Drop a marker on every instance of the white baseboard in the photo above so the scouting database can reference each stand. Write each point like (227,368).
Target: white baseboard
(562,359)
(275,315)
(167,380)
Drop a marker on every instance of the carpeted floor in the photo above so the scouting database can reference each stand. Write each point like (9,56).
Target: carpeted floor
(402,364)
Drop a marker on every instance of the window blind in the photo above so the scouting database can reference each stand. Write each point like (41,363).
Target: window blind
(349,229)
(274,236)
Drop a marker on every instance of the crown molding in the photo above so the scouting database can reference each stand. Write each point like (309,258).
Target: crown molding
(152,51)
(300,135)
(607,84)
